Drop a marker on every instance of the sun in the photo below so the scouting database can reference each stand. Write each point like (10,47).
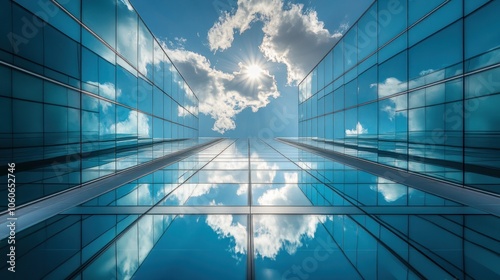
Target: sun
(253,71)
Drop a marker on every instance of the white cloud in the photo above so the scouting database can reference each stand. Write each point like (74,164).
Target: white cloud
(283,195)
(127,4)
(272,233)
(107,89)
(283,232)
(263,171)
(397,106)
(224,226)
(356,131)
(223,95)
(135,124)
(221,35)
(426,72)
(292,36)
(390,86)
(389,190)
(297,39)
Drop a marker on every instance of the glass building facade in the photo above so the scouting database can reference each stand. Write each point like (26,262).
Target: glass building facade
(413,85)
(253,209)
(114,182)
(86,91)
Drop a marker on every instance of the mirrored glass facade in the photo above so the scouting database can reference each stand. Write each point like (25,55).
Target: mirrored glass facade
(413,85)
(86,91)
(252,209)
(114,182)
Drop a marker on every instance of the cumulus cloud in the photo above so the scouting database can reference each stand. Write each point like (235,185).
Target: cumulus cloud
(263,172)
(272,233)
(284,232)
(390,86)
(221,35)
(225,227)
(292,36)
(286,195)
(223,95)
(107,89)
(389,190)
(135,124)
(356,131)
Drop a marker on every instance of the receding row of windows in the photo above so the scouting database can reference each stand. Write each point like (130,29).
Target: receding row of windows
(437,57)
(48,46)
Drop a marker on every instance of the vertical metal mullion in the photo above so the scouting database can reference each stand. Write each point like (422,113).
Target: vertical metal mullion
(250,253)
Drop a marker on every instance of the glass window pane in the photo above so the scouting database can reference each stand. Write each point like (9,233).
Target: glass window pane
(91,42)
(321,75)
(158,65)
(6,116)
(391,19)
(100,16)
(25,86)
(393,75)
(352,129)
(351,48)
(367,85)
(63,54)
(55,119)
(90,70)
(351,93)
(107,83)
(127,86)
(30,49)
(55,94)
(72,6)
(418,9)
(477,39)
(126,122)
(106,120)
(426,67)
(338,59)
(145,65)
(157,102)
(367,119)
(393,47)
(28,117)
(6,26)
(367,33)
(127,33)
(329,68)
(483,83)
(439,19)
(5,81)
(145,96)
(64,22)
(338,99)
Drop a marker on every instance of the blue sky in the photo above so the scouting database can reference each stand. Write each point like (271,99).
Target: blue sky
(244,58)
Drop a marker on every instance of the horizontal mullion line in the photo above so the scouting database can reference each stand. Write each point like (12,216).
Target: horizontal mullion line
(274,210)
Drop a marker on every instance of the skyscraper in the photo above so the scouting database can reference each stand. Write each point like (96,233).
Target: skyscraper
(412,85)
(393,175)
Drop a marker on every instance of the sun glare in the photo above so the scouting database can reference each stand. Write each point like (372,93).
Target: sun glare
(253,71)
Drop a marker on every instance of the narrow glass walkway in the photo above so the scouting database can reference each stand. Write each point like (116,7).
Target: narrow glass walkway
(253,209)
